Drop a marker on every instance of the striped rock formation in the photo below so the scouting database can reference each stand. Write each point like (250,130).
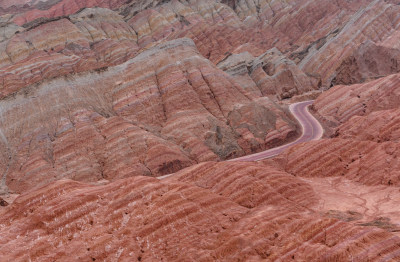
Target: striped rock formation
(340,103)
(309,32)
(98,97)
(192,216)
(365,162)
(71,45)
(163,110)
(355,175)
(29,10)
(342,42)
(368,62)
(365,147)
(378,126)
(270,74)
(111,32)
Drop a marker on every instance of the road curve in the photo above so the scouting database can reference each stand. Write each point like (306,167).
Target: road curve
(311,130)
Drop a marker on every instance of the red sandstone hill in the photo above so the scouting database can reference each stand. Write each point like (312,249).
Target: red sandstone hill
(94,36)
(365,147)
(355,174)
(340,103)
(243,212)
(98,97)
(163,110)
(107,70)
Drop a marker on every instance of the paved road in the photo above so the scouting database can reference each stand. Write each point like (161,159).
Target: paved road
(311,130)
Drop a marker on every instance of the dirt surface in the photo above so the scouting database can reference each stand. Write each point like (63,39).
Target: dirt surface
(340,197)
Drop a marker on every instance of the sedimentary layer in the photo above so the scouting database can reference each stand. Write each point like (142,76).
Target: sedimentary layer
(146,219)
(340,103)
(163,110)
(365,145)
(110,32)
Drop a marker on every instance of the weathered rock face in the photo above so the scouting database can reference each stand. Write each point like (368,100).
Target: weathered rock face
(210,217)
(270,74)
(342,42)
(321,35)
(27,11)
(318,35)
(366,145)
(3,203)
(97,96)
(161,111)
(71,46)
(358,161)
(97,37)
(378,126)
(368,62)
(340,103)
(355,175)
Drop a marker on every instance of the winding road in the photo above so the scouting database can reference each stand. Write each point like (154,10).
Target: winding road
(311,130)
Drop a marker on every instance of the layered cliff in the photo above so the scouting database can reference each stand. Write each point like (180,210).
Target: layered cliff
(165,109)
(94,28)
(365,143)
(99,97)
(340,103)
(271,74)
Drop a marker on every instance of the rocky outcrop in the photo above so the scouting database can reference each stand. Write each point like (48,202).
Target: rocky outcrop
(309,32)
(340,103)
(71,46)
(270,74)
(100,37)
(275,74)
(33,11)
(214,27)
(359,28)
(248,184)
(210,217)
(322,36)
(368,62)
(365,147)
(3,203)
(358,161)
(379,126)
(159,112)
(98,97)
